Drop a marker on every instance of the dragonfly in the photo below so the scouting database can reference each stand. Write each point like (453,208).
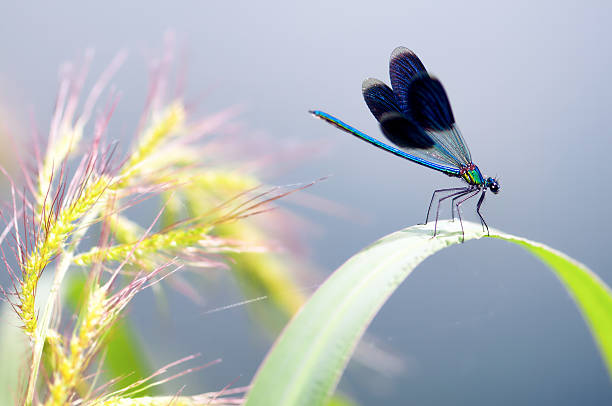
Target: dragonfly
(415,115)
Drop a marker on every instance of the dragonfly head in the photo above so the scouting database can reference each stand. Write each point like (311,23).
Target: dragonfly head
(493,185)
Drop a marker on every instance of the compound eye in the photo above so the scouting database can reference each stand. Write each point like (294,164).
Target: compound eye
(494,188)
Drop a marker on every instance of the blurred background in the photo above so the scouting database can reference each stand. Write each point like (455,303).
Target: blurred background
(482,323)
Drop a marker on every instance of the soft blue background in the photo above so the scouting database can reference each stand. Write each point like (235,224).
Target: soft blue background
(530,85)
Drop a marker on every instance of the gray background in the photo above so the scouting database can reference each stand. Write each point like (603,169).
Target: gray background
(483,323)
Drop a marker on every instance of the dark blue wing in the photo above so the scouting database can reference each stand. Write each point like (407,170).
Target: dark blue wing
(379,97)
(403,66)
(403,132)
(431,110)
(416,116)
(428,103)
(399,129)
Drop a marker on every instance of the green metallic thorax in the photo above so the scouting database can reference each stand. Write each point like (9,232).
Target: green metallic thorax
(471,174)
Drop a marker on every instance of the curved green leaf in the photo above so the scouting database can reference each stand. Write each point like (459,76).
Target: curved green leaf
(307,360)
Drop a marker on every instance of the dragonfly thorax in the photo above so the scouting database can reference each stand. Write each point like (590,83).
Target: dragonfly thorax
(471,174)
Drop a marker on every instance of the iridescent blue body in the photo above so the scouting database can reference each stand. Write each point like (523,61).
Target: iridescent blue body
(417,118)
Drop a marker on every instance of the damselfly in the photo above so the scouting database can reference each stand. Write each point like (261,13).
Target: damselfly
(416,116)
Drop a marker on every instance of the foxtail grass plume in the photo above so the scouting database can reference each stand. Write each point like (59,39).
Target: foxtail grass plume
(79,181)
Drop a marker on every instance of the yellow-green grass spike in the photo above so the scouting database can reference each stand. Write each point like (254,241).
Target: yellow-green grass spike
(124,355)
(163,127)
(169,241)
(306,362)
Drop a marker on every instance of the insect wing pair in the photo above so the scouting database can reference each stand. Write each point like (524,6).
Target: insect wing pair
(415,115)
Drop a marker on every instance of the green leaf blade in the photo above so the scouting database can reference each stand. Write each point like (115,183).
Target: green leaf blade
(307,360)
(591,295)
(336,316)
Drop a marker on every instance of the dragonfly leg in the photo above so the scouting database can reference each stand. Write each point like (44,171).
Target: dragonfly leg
(471,193)
(462,191)
(434,195)
(465,191)
(453,203)
(482,220)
